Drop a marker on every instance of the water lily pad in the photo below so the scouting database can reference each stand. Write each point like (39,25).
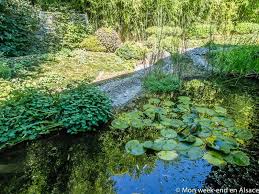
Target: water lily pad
(119,124)
(238,158)
(167,155)
(158,144)
(168,103)
(195,153)
(184,99)
(169,145)
(205,133)
(137,123)
(166,122)
(148,144)
(182,108)
(188,139)
(135,148)
(244,134)
(214,158)
(182,147)
(177,123)
(198,142)
(168,133)
(220,110)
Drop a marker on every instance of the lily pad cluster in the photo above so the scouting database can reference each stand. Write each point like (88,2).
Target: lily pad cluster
(187,129)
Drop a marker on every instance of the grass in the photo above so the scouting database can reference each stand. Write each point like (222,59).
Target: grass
(241,60)
(58,70)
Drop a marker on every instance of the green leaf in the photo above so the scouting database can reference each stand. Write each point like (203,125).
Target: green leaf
(119,124)
(238,158)
(167,155)
(198,142)
(169,145)
(214,158)
(177,123)
(154,101)
(244,134)
(195,153)
(220,110)
(168,133)
(148,144)
(135,148)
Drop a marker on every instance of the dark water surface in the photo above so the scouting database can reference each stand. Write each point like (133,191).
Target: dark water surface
(91,163)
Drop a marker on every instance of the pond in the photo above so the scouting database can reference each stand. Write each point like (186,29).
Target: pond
(98,163)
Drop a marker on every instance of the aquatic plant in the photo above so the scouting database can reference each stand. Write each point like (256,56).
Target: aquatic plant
(187,129)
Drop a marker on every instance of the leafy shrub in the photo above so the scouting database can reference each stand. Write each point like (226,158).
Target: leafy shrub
(27,115)
(246,28)
(109,38)
(240,59)
(83,109)
(131,50)
(18,23)
(31,112)
(5,71)
(202,30)
(92,43)
(159,82)
(73,34)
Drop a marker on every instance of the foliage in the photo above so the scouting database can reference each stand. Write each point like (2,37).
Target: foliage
(202,30)
(83,109)
(30,113)
(164,31)
(160,82)
(5,71)
(131,50)
(18,23)
(238,60)
(188,129)
(109,38)
(246,28)
(92,43)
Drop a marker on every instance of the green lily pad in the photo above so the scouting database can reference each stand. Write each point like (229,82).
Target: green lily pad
(214,158)
(148,144)
(182,108)
(220,110)
(158,144)
(169,145)
(182,147)
(238,158)
(205,133)
(184,99)
(166,122)
(137,123)
(177,123)
(188,139)
(119,124)
(167,155)
(244,134)
(198,142)
(168,133)
(135,148)
(195,153)
(168,103)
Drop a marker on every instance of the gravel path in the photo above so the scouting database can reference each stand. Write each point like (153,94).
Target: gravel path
(121,91)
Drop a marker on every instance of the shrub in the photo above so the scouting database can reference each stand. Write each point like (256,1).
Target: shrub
(18,23)
(160,82)
(246,28)
(5,71)
(92,43)
(109,38)
(31,112)
(83,109)
(164,31)
(240,59)
(202,30)
(131,50)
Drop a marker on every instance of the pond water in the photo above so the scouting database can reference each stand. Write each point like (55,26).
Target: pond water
(98,163)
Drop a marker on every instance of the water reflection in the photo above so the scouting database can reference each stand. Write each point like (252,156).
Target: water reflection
(165,178)
(99,164)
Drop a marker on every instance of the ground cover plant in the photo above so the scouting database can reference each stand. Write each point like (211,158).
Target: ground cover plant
(30,113)
(187,129)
